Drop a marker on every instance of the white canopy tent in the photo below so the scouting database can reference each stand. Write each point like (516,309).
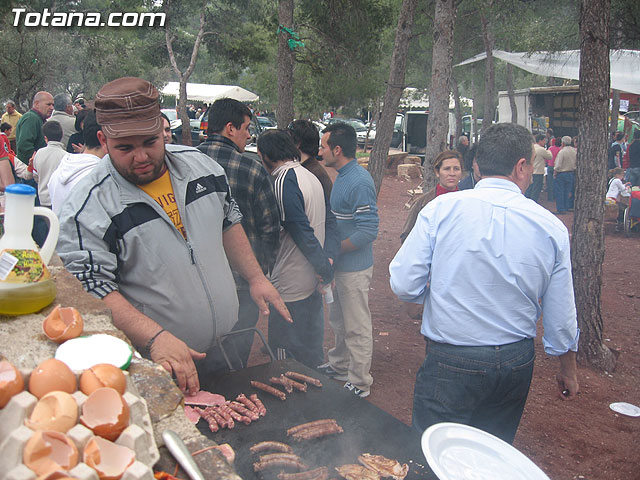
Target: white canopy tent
(625,65)
(202,92)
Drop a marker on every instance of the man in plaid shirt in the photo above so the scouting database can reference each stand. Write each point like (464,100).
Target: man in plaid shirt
(252,190)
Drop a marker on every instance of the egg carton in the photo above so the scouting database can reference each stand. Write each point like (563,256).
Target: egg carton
(14,434)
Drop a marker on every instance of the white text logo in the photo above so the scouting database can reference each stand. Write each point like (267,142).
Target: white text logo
(86,19)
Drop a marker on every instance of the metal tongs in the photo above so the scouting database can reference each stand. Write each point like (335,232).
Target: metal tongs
(179,450)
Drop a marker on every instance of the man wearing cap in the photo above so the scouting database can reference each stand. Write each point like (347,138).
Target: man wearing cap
(152,231)
(564,175)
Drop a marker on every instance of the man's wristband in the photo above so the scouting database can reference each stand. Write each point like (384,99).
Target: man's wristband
(147,347)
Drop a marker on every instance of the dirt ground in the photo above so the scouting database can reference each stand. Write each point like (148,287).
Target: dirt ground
(581,439)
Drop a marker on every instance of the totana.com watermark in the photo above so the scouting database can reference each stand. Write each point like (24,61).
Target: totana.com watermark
(86,19)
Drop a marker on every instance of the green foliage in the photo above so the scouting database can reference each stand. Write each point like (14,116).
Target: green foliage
(343,65)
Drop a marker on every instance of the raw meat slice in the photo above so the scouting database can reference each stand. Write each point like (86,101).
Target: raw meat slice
(192,414)
(204,399)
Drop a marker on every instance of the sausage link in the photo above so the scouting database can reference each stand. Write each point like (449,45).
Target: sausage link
(269,389)
(317,432)
(242,410)
(247,403)
(271,445)
(283,383)
(316,423)
(262,410)
(304,378)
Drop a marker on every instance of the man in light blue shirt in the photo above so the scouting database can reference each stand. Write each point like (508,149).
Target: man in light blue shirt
(487,263)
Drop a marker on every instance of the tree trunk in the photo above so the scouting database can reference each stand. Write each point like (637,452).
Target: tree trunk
(395,86)
(512,97)
(182,112)
(489,74)
(457,109)
(474,107)
(284,112)
(441,65)
(615,111)
(184,76)
(587,242)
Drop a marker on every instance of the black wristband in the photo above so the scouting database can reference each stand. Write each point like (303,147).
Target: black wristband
(147,347)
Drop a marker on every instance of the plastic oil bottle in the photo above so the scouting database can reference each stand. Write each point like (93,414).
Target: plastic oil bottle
(26,285)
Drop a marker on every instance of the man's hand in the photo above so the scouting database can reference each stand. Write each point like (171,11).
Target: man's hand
(567,386)
(264,293)
(567,376)
(177,358)
(78,147)
(242,259)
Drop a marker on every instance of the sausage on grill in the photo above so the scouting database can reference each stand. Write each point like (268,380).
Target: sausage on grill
(269,389)
(262,411)
(316,423)
(271,445)
(317,432)
(304,378)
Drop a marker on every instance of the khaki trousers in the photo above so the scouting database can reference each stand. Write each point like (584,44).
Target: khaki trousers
(350,320)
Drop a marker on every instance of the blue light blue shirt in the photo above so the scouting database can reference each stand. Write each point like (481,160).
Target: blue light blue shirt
(487,263)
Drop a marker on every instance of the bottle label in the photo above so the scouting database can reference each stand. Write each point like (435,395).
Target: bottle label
(22,266)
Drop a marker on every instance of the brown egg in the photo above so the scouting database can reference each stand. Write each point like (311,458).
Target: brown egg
(103,375)
(57,411)
(46,452)
(63,323)
(105,413)
(11,382)
(107,458)
(51,375)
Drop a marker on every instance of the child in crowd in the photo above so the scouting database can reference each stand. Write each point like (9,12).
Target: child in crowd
(617,194)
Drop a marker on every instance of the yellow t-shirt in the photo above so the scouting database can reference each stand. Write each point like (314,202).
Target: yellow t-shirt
(162,192)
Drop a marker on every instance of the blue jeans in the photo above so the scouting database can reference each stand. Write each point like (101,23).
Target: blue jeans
(550,187)
(303,339)
(564,183)
(533,192)
(485,387)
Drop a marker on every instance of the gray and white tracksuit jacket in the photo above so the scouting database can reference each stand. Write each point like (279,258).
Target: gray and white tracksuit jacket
(113,236)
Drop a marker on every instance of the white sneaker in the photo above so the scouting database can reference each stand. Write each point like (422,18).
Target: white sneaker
(356,391)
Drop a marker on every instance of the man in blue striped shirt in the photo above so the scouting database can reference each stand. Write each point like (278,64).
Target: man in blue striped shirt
(353,202)
(487,263)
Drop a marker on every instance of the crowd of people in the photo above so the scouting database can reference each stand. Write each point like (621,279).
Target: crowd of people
(188,246)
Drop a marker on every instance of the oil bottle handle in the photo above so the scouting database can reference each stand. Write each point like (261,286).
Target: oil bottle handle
(54,230)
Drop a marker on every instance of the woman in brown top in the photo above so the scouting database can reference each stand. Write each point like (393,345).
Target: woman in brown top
(448,169)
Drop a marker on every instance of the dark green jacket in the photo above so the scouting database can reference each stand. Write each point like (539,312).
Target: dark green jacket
(29,136)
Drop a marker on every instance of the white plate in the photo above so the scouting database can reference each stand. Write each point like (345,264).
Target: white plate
(625,409)
(85,352)
(460,452)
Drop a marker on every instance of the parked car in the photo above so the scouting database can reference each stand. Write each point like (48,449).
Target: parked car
(266,123)
(176,127)
(358,126)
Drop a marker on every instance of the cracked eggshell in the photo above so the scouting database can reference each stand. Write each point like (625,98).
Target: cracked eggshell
(107,458)
(103,375)
(62,324)
(46,452)
(57,411)
(51,375)
(105,413)
(57,475)
(11,382)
